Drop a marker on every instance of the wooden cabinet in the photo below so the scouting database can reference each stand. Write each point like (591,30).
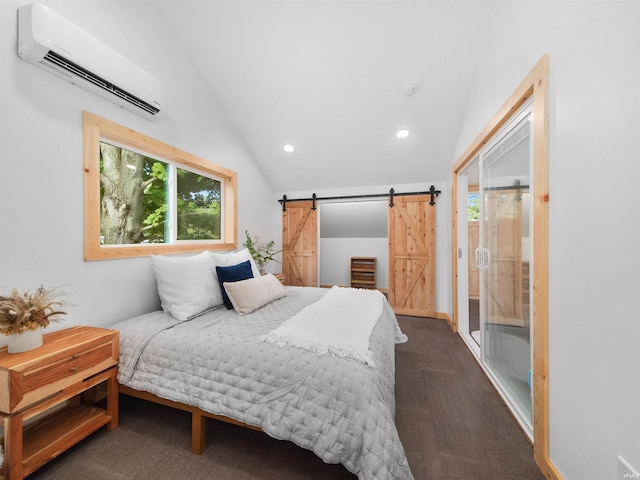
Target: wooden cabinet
(363,272)
(45,401)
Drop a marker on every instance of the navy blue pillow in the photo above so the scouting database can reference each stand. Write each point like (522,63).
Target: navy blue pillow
(234,273)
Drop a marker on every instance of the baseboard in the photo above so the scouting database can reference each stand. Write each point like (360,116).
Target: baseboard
(442,316)
(445,316)
(547,467)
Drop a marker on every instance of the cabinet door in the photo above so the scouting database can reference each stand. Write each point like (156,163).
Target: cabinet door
(300,244)
(412,256)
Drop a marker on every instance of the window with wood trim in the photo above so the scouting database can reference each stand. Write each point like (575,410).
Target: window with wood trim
(144,197)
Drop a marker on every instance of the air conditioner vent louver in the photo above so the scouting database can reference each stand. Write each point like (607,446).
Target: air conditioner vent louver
(99,82)
(49,41)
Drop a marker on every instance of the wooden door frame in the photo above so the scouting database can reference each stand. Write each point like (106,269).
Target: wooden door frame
(536,85)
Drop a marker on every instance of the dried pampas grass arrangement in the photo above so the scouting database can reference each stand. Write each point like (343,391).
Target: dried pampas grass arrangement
(30,310)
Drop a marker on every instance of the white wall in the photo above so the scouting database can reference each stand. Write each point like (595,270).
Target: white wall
(41,202)
(335,259)
(352,229)
(594,227)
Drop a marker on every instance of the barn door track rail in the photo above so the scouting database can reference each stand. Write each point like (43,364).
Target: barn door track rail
(314,198)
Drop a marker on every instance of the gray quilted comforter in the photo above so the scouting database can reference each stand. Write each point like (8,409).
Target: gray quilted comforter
(341,409)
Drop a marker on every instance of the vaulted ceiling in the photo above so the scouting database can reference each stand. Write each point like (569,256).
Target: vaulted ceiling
(329,78)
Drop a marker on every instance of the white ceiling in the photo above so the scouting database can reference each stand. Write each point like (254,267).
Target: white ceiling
(328,77)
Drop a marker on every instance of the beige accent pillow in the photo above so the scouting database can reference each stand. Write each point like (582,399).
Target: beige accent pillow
(249,295)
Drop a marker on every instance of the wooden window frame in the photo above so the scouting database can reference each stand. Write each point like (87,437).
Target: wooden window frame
(96,129)
(536,85)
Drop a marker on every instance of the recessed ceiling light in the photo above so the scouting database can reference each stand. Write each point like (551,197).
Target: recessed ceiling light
(289,148)
(402,134)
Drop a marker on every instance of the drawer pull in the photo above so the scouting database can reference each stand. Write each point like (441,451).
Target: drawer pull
(75,356)
(74,369)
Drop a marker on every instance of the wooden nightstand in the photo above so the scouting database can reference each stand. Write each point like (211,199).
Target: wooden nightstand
(47,383)
(282,277)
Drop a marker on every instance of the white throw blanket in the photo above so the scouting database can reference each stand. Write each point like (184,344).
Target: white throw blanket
(339,324)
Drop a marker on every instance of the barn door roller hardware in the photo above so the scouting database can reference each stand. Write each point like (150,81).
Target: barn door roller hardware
(392,194)
(434,193)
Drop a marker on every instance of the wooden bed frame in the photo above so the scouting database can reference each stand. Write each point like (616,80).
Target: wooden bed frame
(198,416)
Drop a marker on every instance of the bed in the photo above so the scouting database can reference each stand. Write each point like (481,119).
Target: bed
(234,367)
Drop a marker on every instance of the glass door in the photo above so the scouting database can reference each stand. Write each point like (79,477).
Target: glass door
(503,258)
(468,244)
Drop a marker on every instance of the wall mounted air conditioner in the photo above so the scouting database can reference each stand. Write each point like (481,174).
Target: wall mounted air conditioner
(50,41)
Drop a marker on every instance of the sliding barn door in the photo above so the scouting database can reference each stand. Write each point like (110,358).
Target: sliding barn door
(412,267)
(300,244)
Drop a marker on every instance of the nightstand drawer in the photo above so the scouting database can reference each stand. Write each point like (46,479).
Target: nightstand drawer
(64,366)
(67,357)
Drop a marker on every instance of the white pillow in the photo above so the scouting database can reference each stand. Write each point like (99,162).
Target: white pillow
(187,286)
(234,258)
(254,293)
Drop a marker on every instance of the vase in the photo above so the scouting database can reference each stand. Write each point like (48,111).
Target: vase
(25,341)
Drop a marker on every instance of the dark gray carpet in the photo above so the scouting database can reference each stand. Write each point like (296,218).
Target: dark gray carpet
(451,421)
